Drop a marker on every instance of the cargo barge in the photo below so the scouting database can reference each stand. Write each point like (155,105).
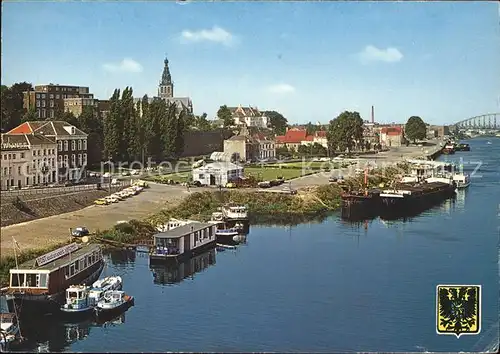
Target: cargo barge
(412,199)
(360,205)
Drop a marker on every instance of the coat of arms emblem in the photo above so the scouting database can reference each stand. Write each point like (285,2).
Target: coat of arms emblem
(458,309)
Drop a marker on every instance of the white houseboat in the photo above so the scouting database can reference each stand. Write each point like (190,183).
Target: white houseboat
(172,224)
(38,286)
(183,241)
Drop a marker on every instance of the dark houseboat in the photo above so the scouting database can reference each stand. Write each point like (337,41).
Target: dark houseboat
(412,199)
(360,205)
(38,286)
(183,242)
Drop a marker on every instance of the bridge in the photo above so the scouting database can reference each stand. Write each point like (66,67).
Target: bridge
(485,121)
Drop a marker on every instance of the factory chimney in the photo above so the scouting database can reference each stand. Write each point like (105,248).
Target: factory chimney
(373,115)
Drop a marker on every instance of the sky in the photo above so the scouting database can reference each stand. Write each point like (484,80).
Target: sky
(309,61)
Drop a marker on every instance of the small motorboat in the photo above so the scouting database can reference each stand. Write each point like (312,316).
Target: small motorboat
(102,285)
(77,301)
(240,238)
(112,303)
(9,329)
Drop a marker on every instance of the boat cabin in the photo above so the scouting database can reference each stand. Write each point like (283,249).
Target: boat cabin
(235,212)
(77,296)
(53,272)
(182,240)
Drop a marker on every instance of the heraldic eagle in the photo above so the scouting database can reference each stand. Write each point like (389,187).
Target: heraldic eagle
(457,308)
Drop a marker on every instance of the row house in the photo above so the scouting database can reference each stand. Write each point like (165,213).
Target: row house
(249,116)
(27,160)
(71,145)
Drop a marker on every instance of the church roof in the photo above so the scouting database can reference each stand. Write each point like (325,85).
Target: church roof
(166,78)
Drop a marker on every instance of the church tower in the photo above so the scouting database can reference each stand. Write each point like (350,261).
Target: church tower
(166,86)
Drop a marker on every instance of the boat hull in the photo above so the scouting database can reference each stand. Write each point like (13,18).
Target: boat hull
(103,314)
(392,208)
(76,315)
(160,258)
(43,304)
(359,207)
(226,238)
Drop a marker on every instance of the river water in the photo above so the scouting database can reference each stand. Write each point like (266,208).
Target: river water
(330,286)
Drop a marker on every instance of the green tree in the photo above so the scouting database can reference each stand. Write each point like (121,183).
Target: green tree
(311,128)
(90,123)
(141,126)
(112,131)
(153,135)
(277,121)
(129,143)
(179,138)
(345,131)
(415,129)
(29,116)
(225,115)
(282,152)
(202,123)
(170,131)
(12,110)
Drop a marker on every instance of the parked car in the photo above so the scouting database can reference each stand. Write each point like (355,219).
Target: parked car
(101,201)
(80,231)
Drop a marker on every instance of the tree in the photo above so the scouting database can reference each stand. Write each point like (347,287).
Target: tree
(415,129)
(29,116)
(12,109)
(277,121)
(112,128)
(154,141)
(345,131)
(225,115)
(311,128)
(202,123)
(90,123)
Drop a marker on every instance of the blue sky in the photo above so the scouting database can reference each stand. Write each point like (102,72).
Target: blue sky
(309,61)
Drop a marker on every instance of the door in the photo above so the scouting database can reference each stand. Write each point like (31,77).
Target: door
(187,243)
(212,180)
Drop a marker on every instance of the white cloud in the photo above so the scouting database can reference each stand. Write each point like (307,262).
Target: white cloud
(388,55)
(215,34)
(126,65)
(281,88)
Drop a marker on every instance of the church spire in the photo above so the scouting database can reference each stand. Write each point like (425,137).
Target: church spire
(166,87)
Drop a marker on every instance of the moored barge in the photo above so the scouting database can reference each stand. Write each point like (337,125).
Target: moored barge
(412,199)
(360,205)
(38,286)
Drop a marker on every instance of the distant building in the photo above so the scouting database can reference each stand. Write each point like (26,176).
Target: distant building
(244,147)
(27,160)
(292,139)
(249,116)
(166,92)
(319,137)
(391,136)
(218,173)
(437,131)
(47,100)
(71,145)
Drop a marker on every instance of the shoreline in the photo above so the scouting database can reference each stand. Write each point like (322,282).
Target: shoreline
(314,201)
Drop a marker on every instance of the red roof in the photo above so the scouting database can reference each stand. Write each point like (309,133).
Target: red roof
(321,134)
(309,138)
(292,136)
(391,130)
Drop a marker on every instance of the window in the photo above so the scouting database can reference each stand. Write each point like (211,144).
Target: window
(51,115)
(22,155)
(73,144)
(13,156)
(19,170)
(59,145)
(84,144)
(79,144)
(27,169)
(57,88)
(38,103)
(43,103)
(84,159)
(79,159)
(5,171)
(51,96)
(44,113)
(73,159)
(57,96)
(51,103)
(44,152)
(16,279)
(59,158)
(42,281)
(44,95)
(37,95)
(39,114)
(65,145)
(27,181)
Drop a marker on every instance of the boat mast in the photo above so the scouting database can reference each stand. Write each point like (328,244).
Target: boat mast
(19,282)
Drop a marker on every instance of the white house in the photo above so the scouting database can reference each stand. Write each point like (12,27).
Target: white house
(217,173)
